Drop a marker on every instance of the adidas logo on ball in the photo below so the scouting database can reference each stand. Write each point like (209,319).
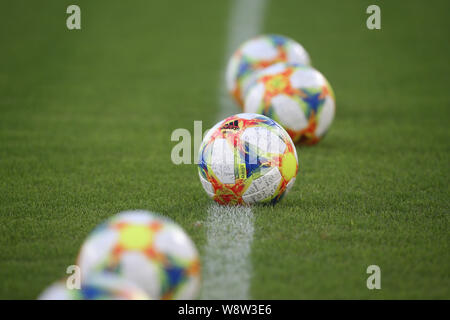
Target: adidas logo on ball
(233,125)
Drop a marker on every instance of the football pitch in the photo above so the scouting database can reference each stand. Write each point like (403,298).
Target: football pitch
(86,118)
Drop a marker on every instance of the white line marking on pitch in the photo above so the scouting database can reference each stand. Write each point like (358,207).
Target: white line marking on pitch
(246,21)
(227,265)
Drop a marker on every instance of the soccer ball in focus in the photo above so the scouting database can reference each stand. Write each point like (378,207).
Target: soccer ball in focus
(147,249)
(256,54)
(247,158)
(103,286)
(296,96)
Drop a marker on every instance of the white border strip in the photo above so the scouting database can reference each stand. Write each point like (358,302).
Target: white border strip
(227,265)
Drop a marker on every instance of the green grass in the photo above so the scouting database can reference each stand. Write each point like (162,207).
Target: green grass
(86,118)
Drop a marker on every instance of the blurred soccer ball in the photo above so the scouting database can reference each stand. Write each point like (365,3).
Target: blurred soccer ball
(296,96)
(256,54)
(247,158)
(102,286)
(146,249)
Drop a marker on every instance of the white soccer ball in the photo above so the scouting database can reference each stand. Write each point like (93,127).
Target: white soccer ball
(246,159)
(296,96)
(255,55)
(146,249)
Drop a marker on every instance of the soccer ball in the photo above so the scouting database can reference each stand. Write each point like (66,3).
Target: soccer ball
(296,96)
(256,54)
(247,158)
(103,286)
(146,249)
